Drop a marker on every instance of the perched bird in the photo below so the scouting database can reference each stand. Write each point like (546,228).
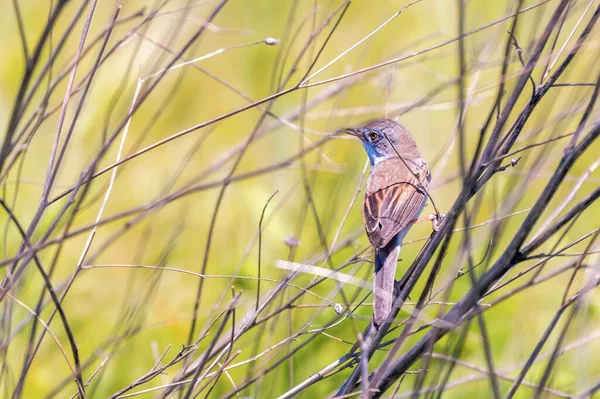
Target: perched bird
(396,194)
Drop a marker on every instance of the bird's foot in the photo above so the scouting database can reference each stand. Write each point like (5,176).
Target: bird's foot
(436,220)
(398,289)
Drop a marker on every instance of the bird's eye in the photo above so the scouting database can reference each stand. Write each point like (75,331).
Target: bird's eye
(373,135)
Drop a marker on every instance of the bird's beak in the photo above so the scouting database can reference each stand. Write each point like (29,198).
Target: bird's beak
(354,132)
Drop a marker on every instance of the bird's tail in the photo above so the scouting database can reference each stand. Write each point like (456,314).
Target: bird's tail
(385,273)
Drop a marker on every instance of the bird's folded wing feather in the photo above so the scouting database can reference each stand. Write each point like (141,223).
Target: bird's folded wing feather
(391,208)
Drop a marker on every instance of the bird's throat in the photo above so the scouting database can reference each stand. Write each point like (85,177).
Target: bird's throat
(374,156)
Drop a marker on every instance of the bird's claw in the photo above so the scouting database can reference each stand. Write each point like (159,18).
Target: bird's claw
(436,220)
(398,288)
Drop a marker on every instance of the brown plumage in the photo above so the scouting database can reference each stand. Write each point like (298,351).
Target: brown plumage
(394,198)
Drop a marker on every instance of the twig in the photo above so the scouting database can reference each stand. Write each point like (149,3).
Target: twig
(262,215)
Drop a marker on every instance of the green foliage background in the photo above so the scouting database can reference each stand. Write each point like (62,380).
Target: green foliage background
(97,302)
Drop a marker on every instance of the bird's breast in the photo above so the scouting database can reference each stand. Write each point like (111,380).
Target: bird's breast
(390,172)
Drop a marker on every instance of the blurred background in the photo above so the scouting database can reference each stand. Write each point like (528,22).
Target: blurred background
(206,149)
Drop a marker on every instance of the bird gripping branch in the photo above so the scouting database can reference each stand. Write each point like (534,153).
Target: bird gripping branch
(396,194)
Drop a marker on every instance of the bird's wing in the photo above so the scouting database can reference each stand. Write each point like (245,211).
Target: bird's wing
(392,207)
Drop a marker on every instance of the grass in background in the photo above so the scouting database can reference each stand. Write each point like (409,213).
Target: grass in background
(169,169)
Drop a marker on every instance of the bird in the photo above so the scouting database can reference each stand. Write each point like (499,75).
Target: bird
(396,193)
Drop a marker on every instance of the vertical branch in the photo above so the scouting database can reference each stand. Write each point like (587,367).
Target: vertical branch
(59,308)
(50,176)
(262,215)
(30,65)
(22,34)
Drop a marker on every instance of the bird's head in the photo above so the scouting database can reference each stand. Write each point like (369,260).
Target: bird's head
(384,139)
